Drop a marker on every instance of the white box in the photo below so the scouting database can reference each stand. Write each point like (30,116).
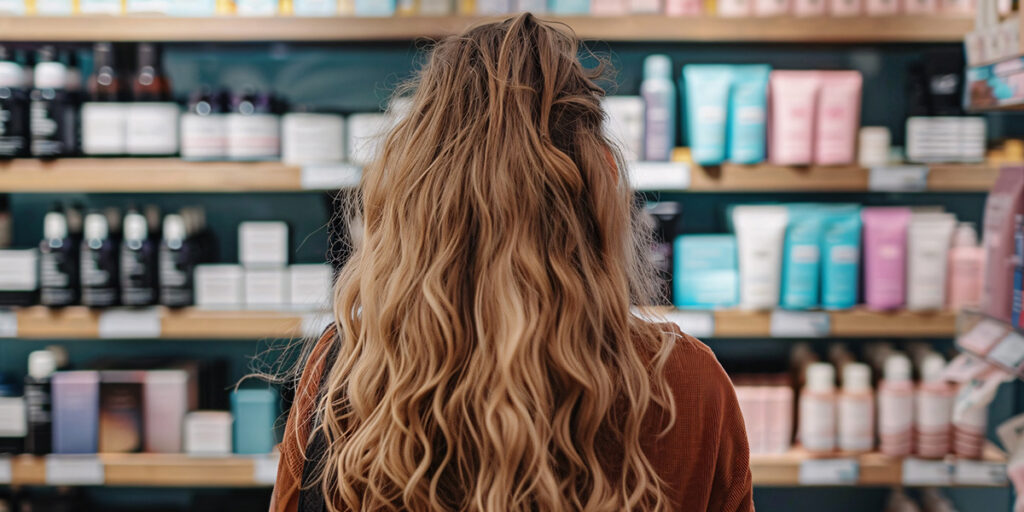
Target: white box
(256,7)
(13,419)
(263,244)
(366,134)
(311,286)
(266,288)
(315,7)
(312,138)
(208,433)
(19,270)
(625,126)
(219,286)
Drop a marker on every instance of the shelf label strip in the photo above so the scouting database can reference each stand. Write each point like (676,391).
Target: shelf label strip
(926,472)
(6,471)
(265,469)
(700,324)
(74,470)
(130,323)
(829,472)
(654,176)
(979,472)
(8,324)
(329,176)
(898,178)
(800,324)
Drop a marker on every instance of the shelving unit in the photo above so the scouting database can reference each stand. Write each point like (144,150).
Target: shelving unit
(636,28)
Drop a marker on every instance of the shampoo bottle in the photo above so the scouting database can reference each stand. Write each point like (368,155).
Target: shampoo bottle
(966,269)
(138,262)
(896,407)
(659,94)
(58,262)
(818,409)
(856,409)
(39,401)
(48,101)
(934,409)
(14,108)
(178,257)
(98,263)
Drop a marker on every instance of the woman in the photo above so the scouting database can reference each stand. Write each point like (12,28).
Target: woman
(485,356)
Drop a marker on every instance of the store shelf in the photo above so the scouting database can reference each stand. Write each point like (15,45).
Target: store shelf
(929,29)
(848,178)
(857,323)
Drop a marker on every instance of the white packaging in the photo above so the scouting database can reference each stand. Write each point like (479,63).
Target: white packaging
(263,244)
(208,433)
(165,403)
(625,124)
(204,137)
(192,8)
(54,7)
(253,136)
(760,232)
(312,138)
(315,7)
(256,7)
(896,405)
(856,409)
(151,128)
(818,409)
(765,8)
(19,270)
(104,128)
(946,139)
(219,286)
(735,8)
(266,288)
(311,286)
(874,146)
(13,418)
(366,134)
(12,7)
(928,240)
(147,6)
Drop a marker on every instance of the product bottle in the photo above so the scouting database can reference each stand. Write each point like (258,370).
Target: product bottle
(818,409)
(38,400)
(934,409)
(966,269)
(659,94)
(14,108)
(138,262)
(856,409)
(664,216)
(99,263)
(896,407)
(253,127)
(58,262)
(48,101)
(72,130)
(203,127)
(152,119)
(103,115)
(178,257)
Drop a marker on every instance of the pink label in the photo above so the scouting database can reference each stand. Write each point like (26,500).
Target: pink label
(934,411)
(818,423)
(883,7)
(683,8)
(895,412)
(809,7)
(735,8)
(771,7)
(845,7)
(856,423)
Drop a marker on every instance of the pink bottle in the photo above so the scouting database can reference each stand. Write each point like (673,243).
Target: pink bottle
(806,8)
(966,269)
(838,118)
(856,409)
(683,7)
(818,409)
(934,409)
(885,256)
(896,408)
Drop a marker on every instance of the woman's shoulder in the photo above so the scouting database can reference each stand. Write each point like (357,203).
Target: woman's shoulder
(691,366)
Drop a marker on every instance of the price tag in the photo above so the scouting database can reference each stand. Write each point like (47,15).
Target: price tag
(6,471)
(130,323)
(1010,351)
(74,470)
(654,176)
(898,178)
(829,472)
(926,472)
(8,324)
(265,469)
(314,324)
(330,176)
(979,472)
(700,324)
(799,324)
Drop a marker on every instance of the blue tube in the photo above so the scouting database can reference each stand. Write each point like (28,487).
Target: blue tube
(748,113)
(801,258)
(707,102)
(840,249)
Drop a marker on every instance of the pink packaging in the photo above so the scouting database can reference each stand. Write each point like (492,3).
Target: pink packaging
(683,7)
(839,8)
(809,7)
(735,8)
(883,7)
(1005,200)
(792,96)
(920,6)
(766,8)
(885,256)
(838,118)
(963,7)
(609,7)
(165,403)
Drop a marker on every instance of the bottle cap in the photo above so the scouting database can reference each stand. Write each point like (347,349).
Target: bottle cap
(41,364)
(11,75)
(51,75)
(174,227)
(96,226)
(657,66)
(856,377)
(135,226)
(932,367)
(965,235)
(55,226)
(821,378)
(897,368)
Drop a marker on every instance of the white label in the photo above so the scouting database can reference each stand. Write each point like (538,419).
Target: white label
(1010,351)
(152,128)
(934,411)
(8,324)
(845,254)
(130,323)
(73,470)
(856,423)
(829,472)
(656,176)
(100,6)
(255,136)
(711,114)
(804,254)
(204,137)
(898,178)
(978,472)
(6,471)
(314,324)
(817,429)
(146,6)
(103,128)
(256,7)
(700,324)
(330,176)
(799,324)
(265,469)
(53,7)
(895,412)
(926,472)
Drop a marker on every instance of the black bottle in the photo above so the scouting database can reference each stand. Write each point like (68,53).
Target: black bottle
(48,102)
(72,125)
(138,262)
(178,257)
(663,217)
(58,262)
(39,402)
(14,108)
(99,263)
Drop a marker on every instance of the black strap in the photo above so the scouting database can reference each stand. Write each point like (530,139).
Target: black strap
(311,499)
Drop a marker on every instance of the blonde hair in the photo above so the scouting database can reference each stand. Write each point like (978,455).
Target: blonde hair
(487,356)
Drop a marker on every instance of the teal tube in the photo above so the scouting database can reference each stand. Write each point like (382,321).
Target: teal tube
(707,102)
(706,272)
(801,258)
(840,249)
(748,113)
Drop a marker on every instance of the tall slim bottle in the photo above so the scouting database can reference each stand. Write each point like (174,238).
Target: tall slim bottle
(659,94)
(39,402)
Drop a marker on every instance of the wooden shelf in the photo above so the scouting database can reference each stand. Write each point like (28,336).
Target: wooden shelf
(890,29)
(847,178)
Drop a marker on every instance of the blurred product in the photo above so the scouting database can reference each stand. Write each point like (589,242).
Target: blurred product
(882,7)
(760,231)
(52,117)
(769,8)
(748,102)
(165,402)
(179,254)
(801,259)
(14,108)
(706,274)
(263,244)
(121,412)
(659,95)
(664,218)
(840,257)
(365,136)
(766,402)
(966,269)
(838,117)
(856,408)
(219,286)
(707,102)
(312,138)
(104,115)
(102,6)
(76,406)
(929,237)
(139,270)
(208,433)
(845,8)
(311,286)
(946,139)
(316,7)
(266,288)
(152,117)
(934,403)
(874,146)
(39,402)
(59,281)
(256,7)
(204,126)
(806,8)
(13,425)
(735,8)
(99,263)
(792,97)
(255,411)
(1005,201)
(625,124)
(896,407)
(253,127)
(885,256)
(817,431)
(19,277)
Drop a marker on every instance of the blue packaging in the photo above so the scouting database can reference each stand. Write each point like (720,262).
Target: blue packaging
(706,274)
(375,8)
(76,412)
(748,104)
(840,257)
(570,6)
(255,411)
(801,257)
(706,105)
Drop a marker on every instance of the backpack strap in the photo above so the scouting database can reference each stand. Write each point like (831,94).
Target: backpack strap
(311,499)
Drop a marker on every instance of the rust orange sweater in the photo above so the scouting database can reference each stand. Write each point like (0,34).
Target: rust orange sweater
(704,458)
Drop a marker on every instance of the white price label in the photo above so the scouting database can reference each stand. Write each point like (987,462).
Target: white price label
(1009,351)
(700,324)
(898,178)
(74,470)
(330,176)
(8,324)
(656,176)
(265,469)
(799,324)
(926,472)
(979,472)
(6,471)
(314,324)
(829,472)
(130,323)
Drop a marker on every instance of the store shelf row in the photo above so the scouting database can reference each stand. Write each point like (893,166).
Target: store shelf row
(174,175)
(864,29)
(193,323)
(795,468)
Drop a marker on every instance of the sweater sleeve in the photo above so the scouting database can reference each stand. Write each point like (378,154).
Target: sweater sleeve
(732,488)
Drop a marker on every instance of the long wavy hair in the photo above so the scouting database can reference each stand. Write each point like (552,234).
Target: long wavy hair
(488,358)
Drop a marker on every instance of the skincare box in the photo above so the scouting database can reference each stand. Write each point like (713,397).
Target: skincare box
(121,411)
(365,134)
(208,433)
(310,286)
(255,411)
(19,277)
(263,244)
(76,410)
(312,138)
(706,275)
(266,288)
(219,286)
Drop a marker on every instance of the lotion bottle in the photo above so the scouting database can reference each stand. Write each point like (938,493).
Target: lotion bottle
(818,409)
(856,409)
(896,407)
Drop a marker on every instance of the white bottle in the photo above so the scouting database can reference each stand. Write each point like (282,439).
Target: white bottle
(856,409)
(659,94)
(818,409)
(896,407)
(934,409)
